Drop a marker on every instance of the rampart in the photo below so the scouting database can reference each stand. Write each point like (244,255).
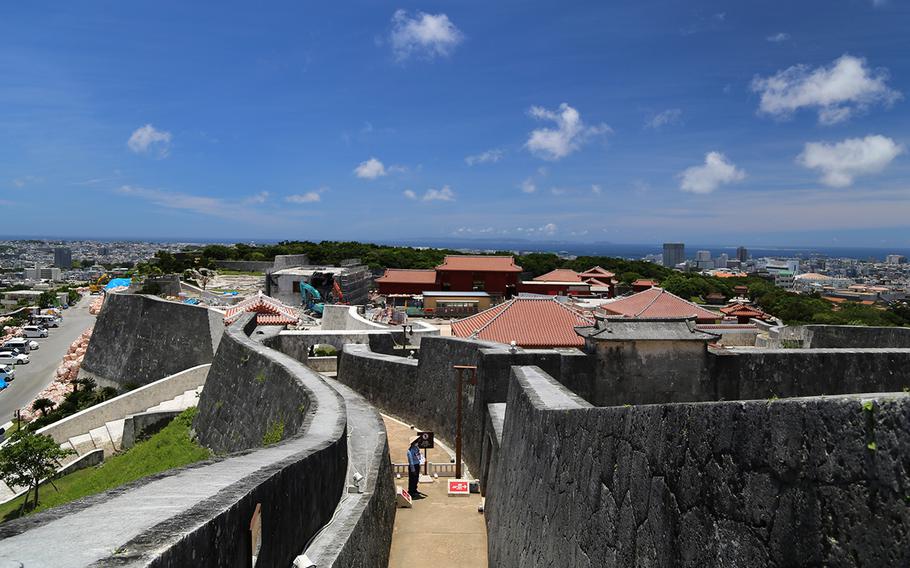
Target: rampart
(338,317)
(140,339)
(200,515)
(791,482)
(856,337)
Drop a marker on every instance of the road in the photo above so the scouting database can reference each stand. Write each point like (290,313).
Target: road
(39,372)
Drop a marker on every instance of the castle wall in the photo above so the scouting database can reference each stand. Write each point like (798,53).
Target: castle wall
(746,483)
(140,339)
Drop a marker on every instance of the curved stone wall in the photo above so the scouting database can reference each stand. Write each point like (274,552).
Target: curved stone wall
(140,339)
(791,482)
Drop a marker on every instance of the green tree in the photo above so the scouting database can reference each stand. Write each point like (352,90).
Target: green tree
(47,299)
(42,405)
(27,459)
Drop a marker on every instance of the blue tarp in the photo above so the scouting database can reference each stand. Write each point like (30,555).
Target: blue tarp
(118,282)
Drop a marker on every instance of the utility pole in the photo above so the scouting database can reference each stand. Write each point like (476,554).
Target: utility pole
(472,380)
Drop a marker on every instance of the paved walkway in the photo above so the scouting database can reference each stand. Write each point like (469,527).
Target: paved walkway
(439,531)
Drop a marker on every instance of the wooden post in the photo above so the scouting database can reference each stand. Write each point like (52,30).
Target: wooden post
(458,396)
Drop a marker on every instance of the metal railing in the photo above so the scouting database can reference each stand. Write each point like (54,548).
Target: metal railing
(440,469)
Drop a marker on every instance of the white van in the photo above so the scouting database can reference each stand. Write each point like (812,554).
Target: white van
(21,344)
(47,320)
(34,331)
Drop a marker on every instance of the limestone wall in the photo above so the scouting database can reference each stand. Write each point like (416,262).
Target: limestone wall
(140,339)
(791,482)
(855,336)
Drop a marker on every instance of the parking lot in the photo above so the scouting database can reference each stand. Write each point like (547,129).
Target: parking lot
(39,372)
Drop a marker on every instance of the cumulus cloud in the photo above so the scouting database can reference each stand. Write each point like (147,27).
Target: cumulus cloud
(409,194)
(716,171)
(147,138)
(528,185)
(778,37)
(308,197)
(424,35)
(568,136)
(370,169)
(444,194)
(664,118)
(488,157)
(840,163)
(837,91)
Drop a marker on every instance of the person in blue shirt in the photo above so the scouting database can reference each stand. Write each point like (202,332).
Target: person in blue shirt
(414,470)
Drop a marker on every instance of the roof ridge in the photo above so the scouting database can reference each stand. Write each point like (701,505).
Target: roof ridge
(505,306)
(652,300)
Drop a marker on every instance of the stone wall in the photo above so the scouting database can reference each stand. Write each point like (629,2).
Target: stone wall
(140,339)
(297,343)
(252,394)
(855,336)
(245,265)
(794,482)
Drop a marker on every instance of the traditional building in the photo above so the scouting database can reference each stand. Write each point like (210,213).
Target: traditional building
(559,282)
(529,322)
(658,303)
(404,281)
(495,275)
(744,312)
(269,311)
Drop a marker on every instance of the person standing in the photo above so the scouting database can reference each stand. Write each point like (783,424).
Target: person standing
(414,470)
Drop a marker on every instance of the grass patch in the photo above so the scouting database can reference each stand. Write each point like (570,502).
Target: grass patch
(169,448)
(274,434)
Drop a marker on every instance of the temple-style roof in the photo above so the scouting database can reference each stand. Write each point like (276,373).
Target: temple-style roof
(407,276)
(269,311)
(645,329)
(598,272)
(657,302)
(529,322)
(480,263)
(743,310)
(559,275)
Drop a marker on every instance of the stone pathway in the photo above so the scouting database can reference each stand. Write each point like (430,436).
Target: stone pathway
(439,531)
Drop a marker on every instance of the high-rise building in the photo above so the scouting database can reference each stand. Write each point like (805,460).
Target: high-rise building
(674,253)
(721,261)
(896,259)
(63,257)
(742,254)
(703,255)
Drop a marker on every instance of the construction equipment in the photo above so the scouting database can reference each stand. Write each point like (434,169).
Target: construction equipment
(310,297)
(99,284)
(336,290)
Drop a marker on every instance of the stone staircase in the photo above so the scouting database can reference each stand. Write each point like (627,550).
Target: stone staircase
(107,437)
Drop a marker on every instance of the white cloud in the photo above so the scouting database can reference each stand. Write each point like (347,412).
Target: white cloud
(548,229)
(558,191)
(488,157)
(444,194)
(669,116)
(596,189)
(424,35)
(260,197)
(840,163)
(409,194)
(147,138)
(778,37)
(846,86)
(308,197)
(716,171)
(528,185)
(370,169)
(569,135)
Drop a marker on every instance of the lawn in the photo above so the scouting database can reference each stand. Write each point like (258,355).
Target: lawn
(169,448)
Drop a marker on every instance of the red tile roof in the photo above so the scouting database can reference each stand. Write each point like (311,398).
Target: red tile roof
(407,276)
(645,282)
(559,275)
(530,322)
(279,314)
(598,272)
(658,303)
(743,310)
(480,263)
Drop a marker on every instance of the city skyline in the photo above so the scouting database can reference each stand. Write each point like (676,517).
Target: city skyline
(756,124)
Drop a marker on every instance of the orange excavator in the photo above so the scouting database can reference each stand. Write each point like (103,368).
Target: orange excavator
(99,284)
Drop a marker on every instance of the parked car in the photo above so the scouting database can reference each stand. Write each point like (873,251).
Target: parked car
(3,384)
(10,358)
(20,344)
(34,331)
(8,369)
(8,377)
(33,345)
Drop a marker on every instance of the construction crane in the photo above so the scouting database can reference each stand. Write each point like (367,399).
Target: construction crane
(310,298)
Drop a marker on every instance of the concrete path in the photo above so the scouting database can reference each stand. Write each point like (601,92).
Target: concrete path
(39,372)
(439,531)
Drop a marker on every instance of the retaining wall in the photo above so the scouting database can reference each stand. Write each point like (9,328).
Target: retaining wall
(856,336)
(336,317)
(132,402)
(749,483)
(140,339)
(245,265)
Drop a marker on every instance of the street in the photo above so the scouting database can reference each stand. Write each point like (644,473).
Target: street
(39,372)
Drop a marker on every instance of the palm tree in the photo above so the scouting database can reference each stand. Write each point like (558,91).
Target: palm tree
(42,405)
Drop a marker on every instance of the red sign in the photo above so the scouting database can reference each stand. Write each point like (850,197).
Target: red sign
(459,487)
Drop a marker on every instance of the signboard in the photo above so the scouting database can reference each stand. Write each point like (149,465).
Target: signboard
(425,440)
(459,487)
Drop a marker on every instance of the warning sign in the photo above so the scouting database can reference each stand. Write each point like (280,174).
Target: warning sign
(459,487)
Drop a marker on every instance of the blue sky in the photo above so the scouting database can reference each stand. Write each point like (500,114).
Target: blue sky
(766,123)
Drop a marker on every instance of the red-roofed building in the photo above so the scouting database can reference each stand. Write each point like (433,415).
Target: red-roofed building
(559,282)
(744,312)
(495,275)
(403,281)
(658,303)
(269,311)
(642,284)
(529,322)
